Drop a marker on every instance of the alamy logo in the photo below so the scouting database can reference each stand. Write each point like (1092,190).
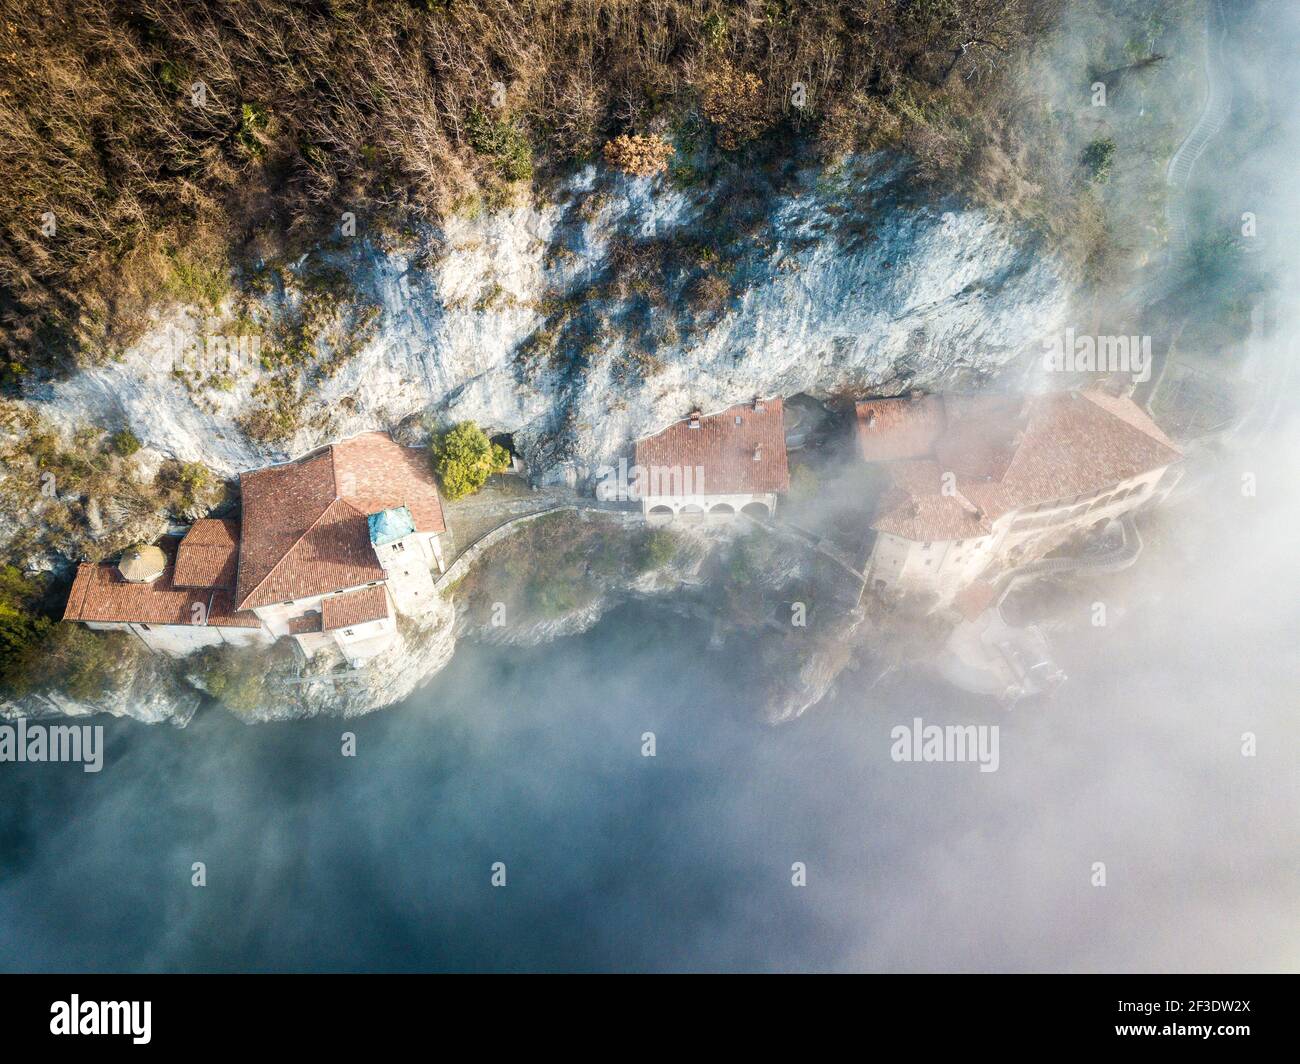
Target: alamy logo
(1075,353)
(210,352)
(951,742)
(102,1017)
(59,742)
(626,483)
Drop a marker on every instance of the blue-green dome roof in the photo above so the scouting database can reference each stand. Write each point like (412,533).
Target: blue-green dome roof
(390,525)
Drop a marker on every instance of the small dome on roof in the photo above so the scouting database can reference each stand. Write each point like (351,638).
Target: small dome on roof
(142,564)
(390,525)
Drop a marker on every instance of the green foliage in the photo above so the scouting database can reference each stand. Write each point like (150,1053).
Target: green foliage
(184,484)
(125,443)
(743,571)
(502,141)
(192,279)
(464,458)
(234,676)
(253,120)
(38,653)
(553,594)
(742,566)
(656,549)
(21,628)
(244,679)
(1097,158)
(714,29)
(82,664)
(550,566)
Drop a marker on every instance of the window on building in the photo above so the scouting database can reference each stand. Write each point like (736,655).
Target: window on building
(348,631)
(398,547)
(146,627)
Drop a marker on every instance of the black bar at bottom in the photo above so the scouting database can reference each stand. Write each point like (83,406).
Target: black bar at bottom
(346,1012)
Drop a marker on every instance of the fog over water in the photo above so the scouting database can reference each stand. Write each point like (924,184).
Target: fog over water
(683,860)
(617,861)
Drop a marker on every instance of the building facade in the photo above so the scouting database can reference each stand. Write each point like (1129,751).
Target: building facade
(178,602)
(329,549)
(976,485)
(712,467)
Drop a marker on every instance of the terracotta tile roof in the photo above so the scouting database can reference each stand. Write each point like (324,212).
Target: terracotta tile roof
(356,607)
(724,446)
(1130,413)
(980,434)
(209,554)
(305,625)
(222,612)
(889,429)
(915,508)
(304,522)
(376,473)
(1010,454)
(99,593)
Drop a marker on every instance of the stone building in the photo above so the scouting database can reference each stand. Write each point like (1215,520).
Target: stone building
(328,549)
(977,484)
(714,466)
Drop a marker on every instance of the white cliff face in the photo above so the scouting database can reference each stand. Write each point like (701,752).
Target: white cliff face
(153,696)
(424,647)
(531,321)
(827,297)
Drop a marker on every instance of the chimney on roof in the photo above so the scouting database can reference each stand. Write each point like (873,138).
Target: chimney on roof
(758,453)
(695,419)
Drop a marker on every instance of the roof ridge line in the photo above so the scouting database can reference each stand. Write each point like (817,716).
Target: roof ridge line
(253,590)
(712,413)
(1126,424)
(85,590)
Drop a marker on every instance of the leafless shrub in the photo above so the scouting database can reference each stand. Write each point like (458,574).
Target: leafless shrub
(733,101)
(641,154)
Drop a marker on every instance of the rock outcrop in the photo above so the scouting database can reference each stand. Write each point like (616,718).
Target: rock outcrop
(582,324)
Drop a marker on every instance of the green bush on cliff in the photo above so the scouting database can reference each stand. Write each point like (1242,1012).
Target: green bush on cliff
(79,663)
(656,548)
(234,676)
(21,628)
(1097,158)
(464,458)
(38,653)
(125,443)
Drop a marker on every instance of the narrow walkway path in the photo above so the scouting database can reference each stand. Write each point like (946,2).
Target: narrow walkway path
(820,544)
(1178,174)
(1218,104)
(473,551)
(1120,558)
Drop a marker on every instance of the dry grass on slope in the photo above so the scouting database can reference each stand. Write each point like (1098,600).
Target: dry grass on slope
(164,139)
